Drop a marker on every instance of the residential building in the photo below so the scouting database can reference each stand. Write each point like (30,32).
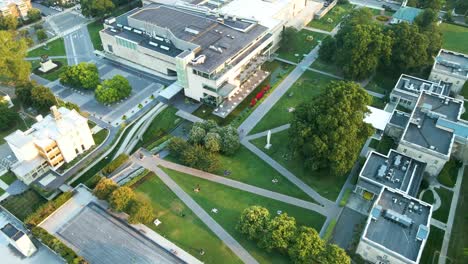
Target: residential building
(16,8)
(452,68)
(19,240)
(405,14)
(396,230)
(53,141)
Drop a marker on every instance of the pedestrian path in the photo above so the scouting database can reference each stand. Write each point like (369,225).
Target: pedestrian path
(188,116)
(318,30)
(217,229)
(265,133)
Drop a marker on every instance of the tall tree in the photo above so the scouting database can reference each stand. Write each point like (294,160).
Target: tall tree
(105,188)
(96,8)
(306,246)
(140,210)
(120,198)
(254,221)
(8,22)
(8,116)
(42,98)
(334,255)
(279,234)
(113,90)
(328,131)
(83,75)
(426,18)
(13,50)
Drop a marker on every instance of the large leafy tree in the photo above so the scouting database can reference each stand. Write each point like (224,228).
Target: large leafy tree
(8,116)
(83,75)
(105,188)
(306,246)
(13,67)
(212,142)
(426,18)
(96,8)
(334,255)
(120,198)
(140,210)
(230,140)
(279,234)
(42,98)
(34,14)
(254,221)
(8,22)
(113,90)
(328,131)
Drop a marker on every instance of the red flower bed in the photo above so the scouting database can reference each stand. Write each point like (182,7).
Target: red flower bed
(259,95)
(253,102)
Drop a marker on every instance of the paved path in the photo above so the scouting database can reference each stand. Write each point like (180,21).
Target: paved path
(451,217)
(78,46)
(264,133)
(189,117)
(326,73)
(438,224)
(285,61)
(202,214)
(148,161)
(318,30)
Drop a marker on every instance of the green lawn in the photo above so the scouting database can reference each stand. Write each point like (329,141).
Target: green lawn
(327,186)
(455,37)
(433,246)
(428,197)
(278,71)
(448,175)
(8,177)
(24,204)
(53,48)
(442,213)
(332,18)
(382,83)
(326,67)
(161,125)
(100,136)
(53,74)
(93,29)
(379,102)
(309,85)
(384,145)
(458,247)
(299,46)
(231,202)
(180,225)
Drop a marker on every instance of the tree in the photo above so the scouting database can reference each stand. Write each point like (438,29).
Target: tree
(23,92)
(34,14)
(334,255)
(328,131)
(198,157)
(8,116)
(105,188)
(177,146)
(140,211)
(288,39)
(13,50)
(327,50)
(41,35)
(279,234)
(42,98)
(306,246)
(196,134)
(254,221)
(113,90)
(96,8)
(230,140)
(8,22)
(83,75)
(120,198)
(212,142)
(461,7)
(432,4)
(426,18)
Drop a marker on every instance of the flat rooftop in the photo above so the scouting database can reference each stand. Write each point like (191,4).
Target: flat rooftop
(399,223)
(101,238)
(452,62)
(416,85)
(399,119)
(394,170)
(219,41)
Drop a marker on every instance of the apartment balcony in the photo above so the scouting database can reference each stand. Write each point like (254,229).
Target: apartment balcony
(230,103)
(251,68)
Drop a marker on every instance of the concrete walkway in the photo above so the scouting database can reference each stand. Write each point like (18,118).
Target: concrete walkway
(232,183)
(264,133)
(451,217)
(318,30)
(326,73)
(438,224)
(189,117)
(228,240)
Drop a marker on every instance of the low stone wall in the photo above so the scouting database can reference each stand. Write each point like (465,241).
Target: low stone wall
(325,10)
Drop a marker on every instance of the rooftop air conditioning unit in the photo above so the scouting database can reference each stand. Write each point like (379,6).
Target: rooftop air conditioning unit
(432,147)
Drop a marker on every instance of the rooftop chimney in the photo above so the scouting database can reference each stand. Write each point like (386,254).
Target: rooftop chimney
(55,113)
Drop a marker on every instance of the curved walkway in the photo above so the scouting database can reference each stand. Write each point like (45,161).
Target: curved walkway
(228,240)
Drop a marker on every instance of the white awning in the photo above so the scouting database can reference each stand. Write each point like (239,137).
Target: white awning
(378,118)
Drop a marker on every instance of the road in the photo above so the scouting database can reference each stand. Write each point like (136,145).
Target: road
(376,4)
(78,46)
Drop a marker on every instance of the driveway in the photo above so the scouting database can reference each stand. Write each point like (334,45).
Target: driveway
(348,226)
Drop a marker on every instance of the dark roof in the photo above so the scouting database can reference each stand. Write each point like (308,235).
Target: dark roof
(12,232)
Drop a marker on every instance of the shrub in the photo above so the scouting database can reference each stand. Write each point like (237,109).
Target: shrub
(113,165)
(46,209)
(120,198)
(58,246)
(104,188)
(140,210)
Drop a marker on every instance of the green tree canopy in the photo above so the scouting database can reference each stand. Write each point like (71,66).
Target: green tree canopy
(254,221)
(96,8)
(426,18)
(41,35)
(230,140)
(328,131)
(212,142)
(105,188)
(8,116)
(120,198)
(279,234)
(334,255)
(42,98)
(8,22)
(83,75)
(306,246)
(113,90)
(34,14)
(13,67)
(140,210)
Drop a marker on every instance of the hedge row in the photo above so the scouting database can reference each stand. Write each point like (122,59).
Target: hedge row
(113,165)
(46,209)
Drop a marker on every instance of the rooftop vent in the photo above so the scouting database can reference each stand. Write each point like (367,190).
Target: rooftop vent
(192,31)
(199,59)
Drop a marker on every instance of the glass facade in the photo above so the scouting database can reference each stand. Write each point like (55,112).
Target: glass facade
(126,43)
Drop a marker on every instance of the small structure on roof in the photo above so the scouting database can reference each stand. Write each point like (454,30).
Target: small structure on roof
(19,240)
(377,118)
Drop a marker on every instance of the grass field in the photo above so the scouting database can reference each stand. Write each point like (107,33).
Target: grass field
(332,18)
(384,145)
(300,45)
(181,226)
(19,124)
(448,175)
(442,213)
(8,178)
(382,83)
(428,197)
(161,125)
(100,136)
(455,37)
(231,202)
(309,85)
(24,204)
(53,48)
(326,67)
(325,185)
(433,246)
(458,247)
(93,30)
(278,71)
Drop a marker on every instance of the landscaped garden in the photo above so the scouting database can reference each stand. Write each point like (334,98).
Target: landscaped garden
(457,250)
(332,18)
(455,37)
(442,213)
(8,178)
(433,245)
(93,30)
(53,48)
(297,44)
(161,126)
(231,202)
(309,85)
(24,204)
(180,225)
(448,175)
